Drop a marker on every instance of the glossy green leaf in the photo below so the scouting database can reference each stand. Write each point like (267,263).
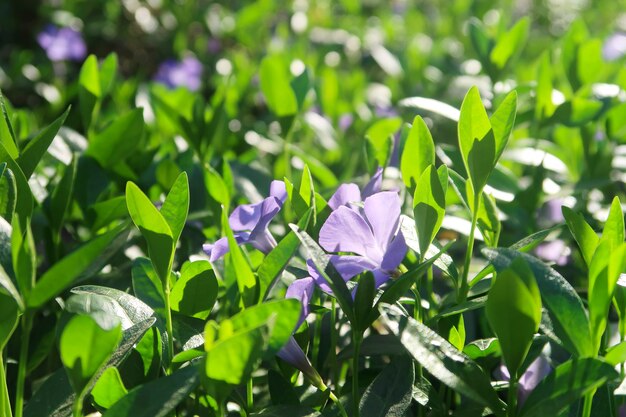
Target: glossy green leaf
(364,300)
(514,312)
(565,306)
(118,140)
(566,384)
(216,186)
(327,271)
(275,85)
(105,212)
(176,206)
(502,121)
(108,71)
(38,145)
(8,139)
(89,77)
(62,196)
(24,202)
(8,192)
(84,347)
(157,398)
(147,286)
(584,235)
(429,205)
(109,388)
(237,266)
(154,229)
(441,359)
(418,153)
(544,106)
(84,261)
(390,394)
(24,255)
(195,292)
(614,226)
(380,139)
(9,314)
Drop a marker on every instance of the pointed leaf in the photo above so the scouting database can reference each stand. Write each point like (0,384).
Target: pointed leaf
(418,153)
(176,206)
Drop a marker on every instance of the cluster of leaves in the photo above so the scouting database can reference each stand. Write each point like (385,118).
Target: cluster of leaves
(108,305)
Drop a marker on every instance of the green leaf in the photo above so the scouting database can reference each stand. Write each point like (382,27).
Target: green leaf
(282,314)
(300,86)
(614,226)
(86,260)
(568,383)
(8,139)
(278,259)
(24,256)
(390,394)
(303,197)
(216,186)
(511,43)
(62,196)
(281,390)
(616,354)
(429,205)
(157,398)
(364,300)
(9,286)
(24,202)
(176,206)
(441,359)
(148,287)
(238,267)
(607,263)
(502,121)
(275,85)
(154,229)
(327,271)
(584,235)
(105,212)
(544,107)
(380,139)
(118,140)
(38,145)
(233,359)
(89,89)
(481,42)
(418,153)
(109,388)
(287,410)
(108,71)
(565,306)
(84,347)
(514,312)
(8,192)
(195,292)
(9,314)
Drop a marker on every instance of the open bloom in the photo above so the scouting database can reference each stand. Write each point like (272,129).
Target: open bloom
(186,73)
(348,194)
(534,374)
(62,44)
(371,233)
(249,223)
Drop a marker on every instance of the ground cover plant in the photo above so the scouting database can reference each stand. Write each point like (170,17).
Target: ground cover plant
(312,208)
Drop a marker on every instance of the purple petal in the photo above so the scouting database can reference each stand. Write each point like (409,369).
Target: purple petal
(347,266)
(216,250)
(614,47)
(555,251)
(346,193)
(262,240)
(293,354)
(346,231)
(278,190)
(383,214)
(302,290)
(534,374)
(253,216)
(395,253)
(374,185)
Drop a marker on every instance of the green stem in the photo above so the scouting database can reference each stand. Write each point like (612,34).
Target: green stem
(333,342)
(511,409)
(587,404)
(249,395)
(27,324)
(334,399)
(168,323)
(356,341)
(464,289)
(220,410)
(5,403)
(77,408)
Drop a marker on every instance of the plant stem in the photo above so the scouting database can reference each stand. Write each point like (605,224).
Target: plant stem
(587,404)
(249,395)
(168,323)
(5,403)
(333,341)
(220,409)
(356,341)
(511,409)
(334,399)
(464,288)
(27,323)
(77,408)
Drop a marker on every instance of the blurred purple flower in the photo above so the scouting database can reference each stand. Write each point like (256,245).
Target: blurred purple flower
(348,194)
(62,44)
(555,251)
(186,73)
(614,47)
(214,45)
(534,374)
(371,233)
(345,121)
(551,212)
(249,223)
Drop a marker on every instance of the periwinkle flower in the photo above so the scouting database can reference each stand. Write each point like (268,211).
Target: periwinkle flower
(614,47)
(348,194)
(534,374)
(186,73)
(249,223)
(371,233)
(555,251)
(62,44)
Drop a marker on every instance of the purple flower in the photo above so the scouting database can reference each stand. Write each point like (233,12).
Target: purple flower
(186,73)
(551,212)
(555,251)
(534,374)
(345,121)
(62,44)
(348,194)
(249,223)
(614,47)
(371,233)
(302,290)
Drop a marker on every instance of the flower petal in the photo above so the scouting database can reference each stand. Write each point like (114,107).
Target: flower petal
(395,253)
(374,185)
(302,290)
(383,214)
(345,194)
(216,250)
(345,230)
(347,266)
(254,216)
(278,191)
